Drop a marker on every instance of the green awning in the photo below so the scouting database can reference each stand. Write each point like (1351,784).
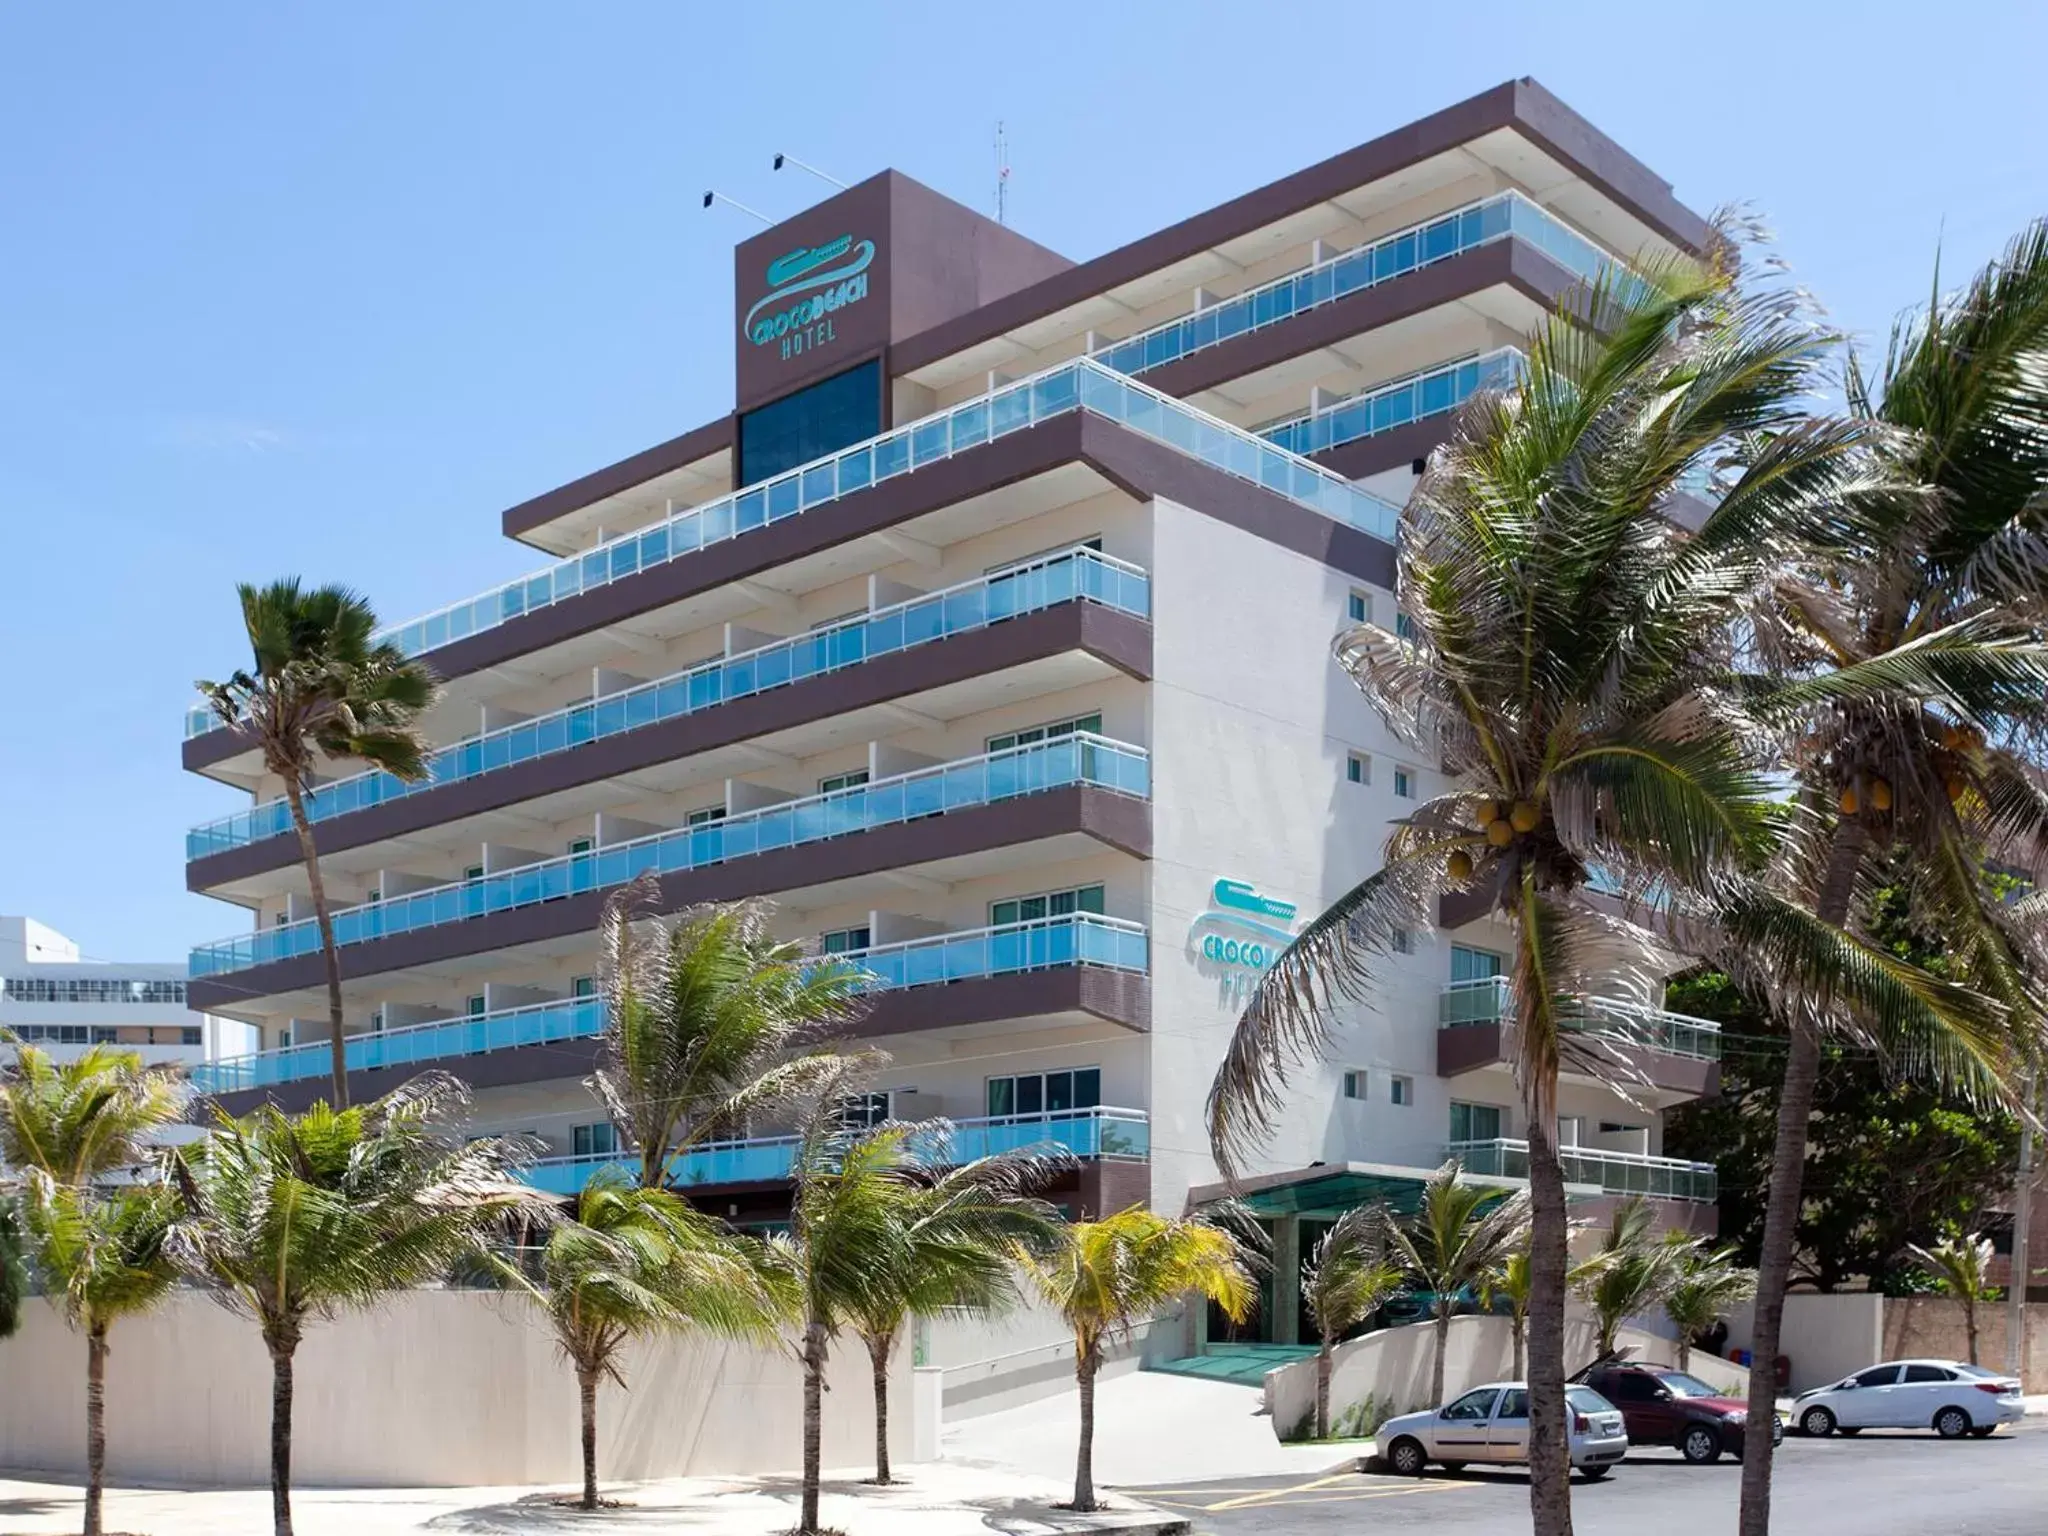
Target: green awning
(1323,1191)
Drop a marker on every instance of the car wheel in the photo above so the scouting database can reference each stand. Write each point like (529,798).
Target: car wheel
(1594,1474)
(1407,1457)
(1699,1445)
(1983,1431)
(1817,1422)
(1951,1423)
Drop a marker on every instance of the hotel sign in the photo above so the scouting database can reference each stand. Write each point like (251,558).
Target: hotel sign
(1244,930)
(808,288)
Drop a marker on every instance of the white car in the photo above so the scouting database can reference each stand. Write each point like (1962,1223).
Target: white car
(1491,1423)
(1946,1396)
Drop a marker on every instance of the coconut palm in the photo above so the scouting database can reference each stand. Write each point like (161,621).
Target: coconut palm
(1508,1281)
(102,1254)
(80,1119)
(703,1013)
(1460,1232)
(1113,1274)
(1348,1277)
(13,1267)
(1961,1267)
(1906,673)
(321,690)
(295,1218)
(1631,1273)
(1708,1285)
(630,1262)
(1569,665)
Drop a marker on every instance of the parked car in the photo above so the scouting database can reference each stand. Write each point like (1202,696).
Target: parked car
(1946,1396)
(1491,1423)
(1666,1407)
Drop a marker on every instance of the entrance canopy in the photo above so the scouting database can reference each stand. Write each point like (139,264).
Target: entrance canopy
(1321,1191)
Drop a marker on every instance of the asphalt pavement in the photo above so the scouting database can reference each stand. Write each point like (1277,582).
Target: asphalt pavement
(1879,1484)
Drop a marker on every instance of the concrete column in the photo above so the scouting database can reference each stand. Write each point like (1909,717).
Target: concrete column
(927,1411)
(1286,1319)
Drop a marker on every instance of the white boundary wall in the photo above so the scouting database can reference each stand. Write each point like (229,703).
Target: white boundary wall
(437,1388)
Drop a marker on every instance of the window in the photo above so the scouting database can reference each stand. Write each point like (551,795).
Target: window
(599,1140)
(474,872)
(1035,1093)
(1514,1404)
(583,986)
(1628,1387)
(475,1005)
(863,1111)
(1404,626)
(1404,783)
(829,415)
(1401,1090)
(852,780)
(1355,1085)
(284,1038)
(1616,1128)
(1475,1122)
(1030,736)
(43,989)
(1404,941)
(1925,1373)
(841,940)
(579,845)
(376,1021)
(1469,964)
(1473,1406)
(1044,554)
(1357,768)
(709,813)
(1029,909)
(1877,1376)
(103,1034)
(1358,607)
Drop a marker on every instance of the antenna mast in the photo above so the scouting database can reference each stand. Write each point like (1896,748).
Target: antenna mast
(1002,175)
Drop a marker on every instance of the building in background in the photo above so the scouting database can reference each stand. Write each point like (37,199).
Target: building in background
(53,999)
(989,635)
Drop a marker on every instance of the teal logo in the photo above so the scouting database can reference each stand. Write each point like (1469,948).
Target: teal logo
(1244,929)
(808,286)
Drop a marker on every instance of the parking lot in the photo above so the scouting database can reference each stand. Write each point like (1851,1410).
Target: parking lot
(1879,1484)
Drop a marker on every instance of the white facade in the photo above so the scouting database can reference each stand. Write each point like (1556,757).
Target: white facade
(53,999)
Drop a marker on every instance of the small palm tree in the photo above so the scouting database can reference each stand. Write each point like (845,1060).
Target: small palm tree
(1508,1281)
(702,1015)
(81,1119)
(1961,1267)
(1110,1275)
(1459,1234)
(632,1262)
(321,689)
(298,1217)
(1709,1284)
(103,1255)
(1631,1273)
(1349,1277)
(13,1267)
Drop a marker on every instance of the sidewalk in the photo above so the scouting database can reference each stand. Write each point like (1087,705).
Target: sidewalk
(934,1500)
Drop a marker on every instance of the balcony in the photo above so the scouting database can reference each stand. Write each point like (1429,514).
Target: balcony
(1096,1134)
(1082,759)
(1054,943)
(1437,392)
(1082,385)
(1672,1051)
(1506,215)
(1076,575)
(1613,1173)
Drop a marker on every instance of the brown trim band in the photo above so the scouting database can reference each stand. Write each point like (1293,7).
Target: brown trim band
(1117,821)
(1121,639)
(1468,1047)
(636,469)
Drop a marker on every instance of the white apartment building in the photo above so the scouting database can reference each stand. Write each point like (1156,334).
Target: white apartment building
(52,998)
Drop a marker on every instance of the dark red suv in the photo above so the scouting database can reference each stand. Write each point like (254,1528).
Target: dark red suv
(1666,1407)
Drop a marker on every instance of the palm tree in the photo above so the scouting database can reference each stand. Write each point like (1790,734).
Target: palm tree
(1906,672)
(103,1255)
(702,1014)
(1709,1284)
(13,1268)
(1631,1271)
(322,689)
(297,1218)
(1569,665)
(1459,1233)
(1110,1275)
(1348,1278)
(632,1262)
(81,1119)
(1961,1267)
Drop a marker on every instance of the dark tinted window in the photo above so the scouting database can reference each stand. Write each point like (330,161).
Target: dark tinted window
(1627,1387)
(831,414)
(1928,1373)
(1878,1376)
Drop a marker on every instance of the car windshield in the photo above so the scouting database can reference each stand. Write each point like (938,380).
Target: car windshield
(1682,1385)
(1586,1400)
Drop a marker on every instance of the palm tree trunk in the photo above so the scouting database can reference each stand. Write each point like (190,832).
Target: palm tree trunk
(814,1421)
(1085,1361)
(328,952)
(1520,1325)
(1684,1350)
(282,1344)
(879,1347)
(1323,1390)
(1782,1204)
(95,1424)
(1442,1330)
(1550,1467)
(1970,1324)
(586,1389)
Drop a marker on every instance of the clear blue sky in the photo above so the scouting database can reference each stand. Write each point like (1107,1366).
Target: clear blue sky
(322,289)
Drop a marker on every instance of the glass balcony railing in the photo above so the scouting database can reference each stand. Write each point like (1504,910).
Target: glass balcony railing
(1069,576)
(1080,385)
(1387,406)
(1081,758)
(1094,1133)
(1485,1001)
(1614,1173)
(1043,944)
(1505,215)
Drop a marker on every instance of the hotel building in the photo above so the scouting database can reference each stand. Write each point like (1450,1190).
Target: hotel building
(989,636)
(61,1003)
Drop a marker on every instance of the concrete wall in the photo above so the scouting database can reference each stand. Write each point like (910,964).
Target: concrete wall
(457,1388)
(994,1363)
(1824,1337)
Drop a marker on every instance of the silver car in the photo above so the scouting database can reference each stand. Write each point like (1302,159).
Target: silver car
(1491,1423)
